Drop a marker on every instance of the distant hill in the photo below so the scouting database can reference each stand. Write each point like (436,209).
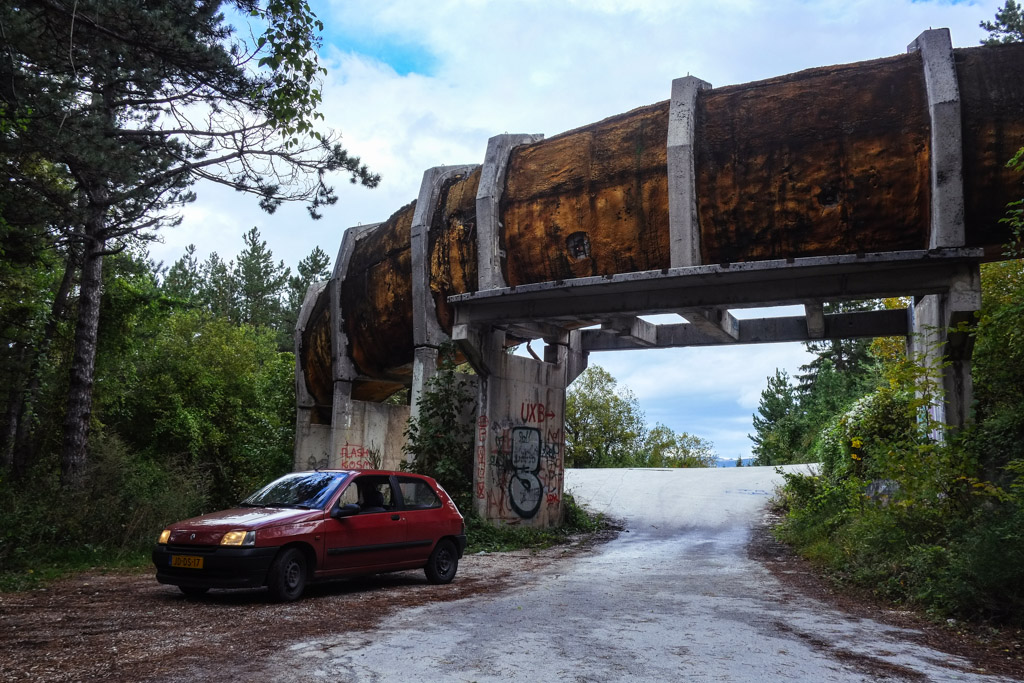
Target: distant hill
(729,462)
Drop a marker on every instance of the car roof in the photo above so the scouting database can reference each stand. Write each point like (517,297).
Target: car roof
(378,472)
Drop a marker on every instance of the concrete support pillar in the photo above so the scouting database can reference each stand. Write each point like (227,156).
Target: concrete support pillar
(427,333)
(424,366)
(684,227)
(520,443)
(488,218)
(944,344)
(947,178)
(312,443)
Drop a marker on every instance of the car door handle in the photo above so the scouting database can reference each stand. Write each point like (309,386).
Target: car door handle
(396,517)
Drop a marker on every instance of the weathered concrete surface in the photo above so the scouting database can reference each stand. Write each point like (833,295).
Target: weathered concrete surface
(673,599)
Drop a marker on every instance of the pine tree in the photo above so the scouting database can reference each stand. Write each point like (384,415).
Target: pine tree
(1008,26)
(260,283)
(184,280)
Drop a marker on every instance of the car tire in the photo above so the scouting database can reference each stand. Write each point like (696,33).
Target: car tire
(443,563)
(194,591)
(287,577)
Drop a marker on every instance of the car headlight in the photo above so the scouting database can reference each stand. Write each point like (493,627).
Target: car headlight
(239,538)
(165,536)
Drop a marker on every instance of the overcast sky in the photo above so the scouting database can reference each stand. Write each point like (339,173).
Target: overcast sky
(413,85)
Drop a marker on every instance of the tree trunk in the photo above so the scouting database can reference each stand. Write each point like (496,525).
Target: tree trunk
(24,445)
(83,363)
(15,401)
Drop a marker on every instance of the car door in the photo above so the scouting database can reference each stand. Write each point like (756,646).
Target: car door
(424,513)
(373,538)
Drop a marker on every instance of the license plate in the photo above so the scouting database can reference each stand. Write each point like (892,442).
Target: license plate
(187,561)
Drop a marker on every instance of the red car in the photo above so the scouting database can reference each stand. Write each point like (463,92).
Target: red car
(311,526)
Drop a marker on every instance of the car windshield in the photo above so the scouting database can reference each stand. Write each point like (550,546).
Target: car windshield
(303,490)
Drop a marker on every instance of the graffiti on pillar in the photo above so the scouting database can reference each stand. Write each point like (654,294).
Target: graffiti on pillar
(525,465)
(313,463)
(481,457)
(525,491)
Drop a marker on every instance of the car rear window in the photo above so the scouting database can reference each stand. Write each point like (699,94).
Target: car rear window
(418,494)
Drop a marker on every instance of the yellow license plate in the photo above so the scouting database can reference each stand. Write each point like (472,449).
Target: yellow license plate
(187,561)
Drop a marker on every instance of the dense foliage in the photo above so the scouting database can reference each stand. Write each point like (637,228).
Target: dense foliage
(194,406)
(440,438)
(604,427)
(791,417)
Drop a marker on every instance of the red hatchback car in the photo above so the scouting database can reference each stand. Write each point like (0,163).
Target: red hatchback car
(311,526)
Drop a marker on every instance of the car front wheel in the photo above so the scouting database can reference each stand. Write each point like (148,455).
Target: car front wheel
(443,562)
(287,578)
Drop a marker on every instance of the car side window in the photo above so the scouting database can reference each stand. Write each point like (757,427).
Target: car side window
(417,494)
(370,493)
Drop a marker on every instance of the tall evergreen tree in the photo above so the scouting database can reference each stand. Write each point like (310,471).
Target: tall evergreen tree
(184,280)
(218,289)
(261,283)
(1008,26)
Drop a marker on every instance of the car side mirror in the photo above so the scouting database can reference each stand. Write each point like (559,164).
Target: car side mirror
(345,510)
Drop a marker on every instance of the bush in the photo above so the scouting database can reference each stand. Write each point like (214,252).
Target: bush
(45,530)
(486,537)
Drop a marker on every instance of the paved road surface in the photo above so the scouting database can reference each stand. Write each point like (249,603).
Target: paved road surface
(673,599)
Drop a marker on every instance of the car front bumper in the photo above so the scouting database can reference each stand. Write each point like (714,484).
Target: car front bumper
(223,567)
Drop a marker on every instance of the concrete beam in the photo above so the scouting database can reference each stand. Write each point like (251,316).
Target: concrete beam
(488,195)
(739,285)
(713,322)
(642,333)
(947,178)
(862,324)
(483,348)
(426,330)
(683,225)
(535,330)
(815,315)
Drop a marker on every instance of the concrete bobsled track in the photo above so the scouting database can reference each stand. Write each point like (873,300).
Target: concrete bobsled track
(674,598)
(876,179)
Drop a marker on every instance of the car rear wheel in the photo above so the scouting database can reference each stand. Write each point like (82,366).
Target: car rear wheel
(287,578)
(443,562)
(194,591)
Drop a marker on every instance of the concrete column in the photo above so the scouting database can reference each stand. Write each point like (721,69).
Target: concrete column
(427,333)
(684,227)
(488,217)
(312,445)
(520,443)
(944,344)
(424,366)
(947,180)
